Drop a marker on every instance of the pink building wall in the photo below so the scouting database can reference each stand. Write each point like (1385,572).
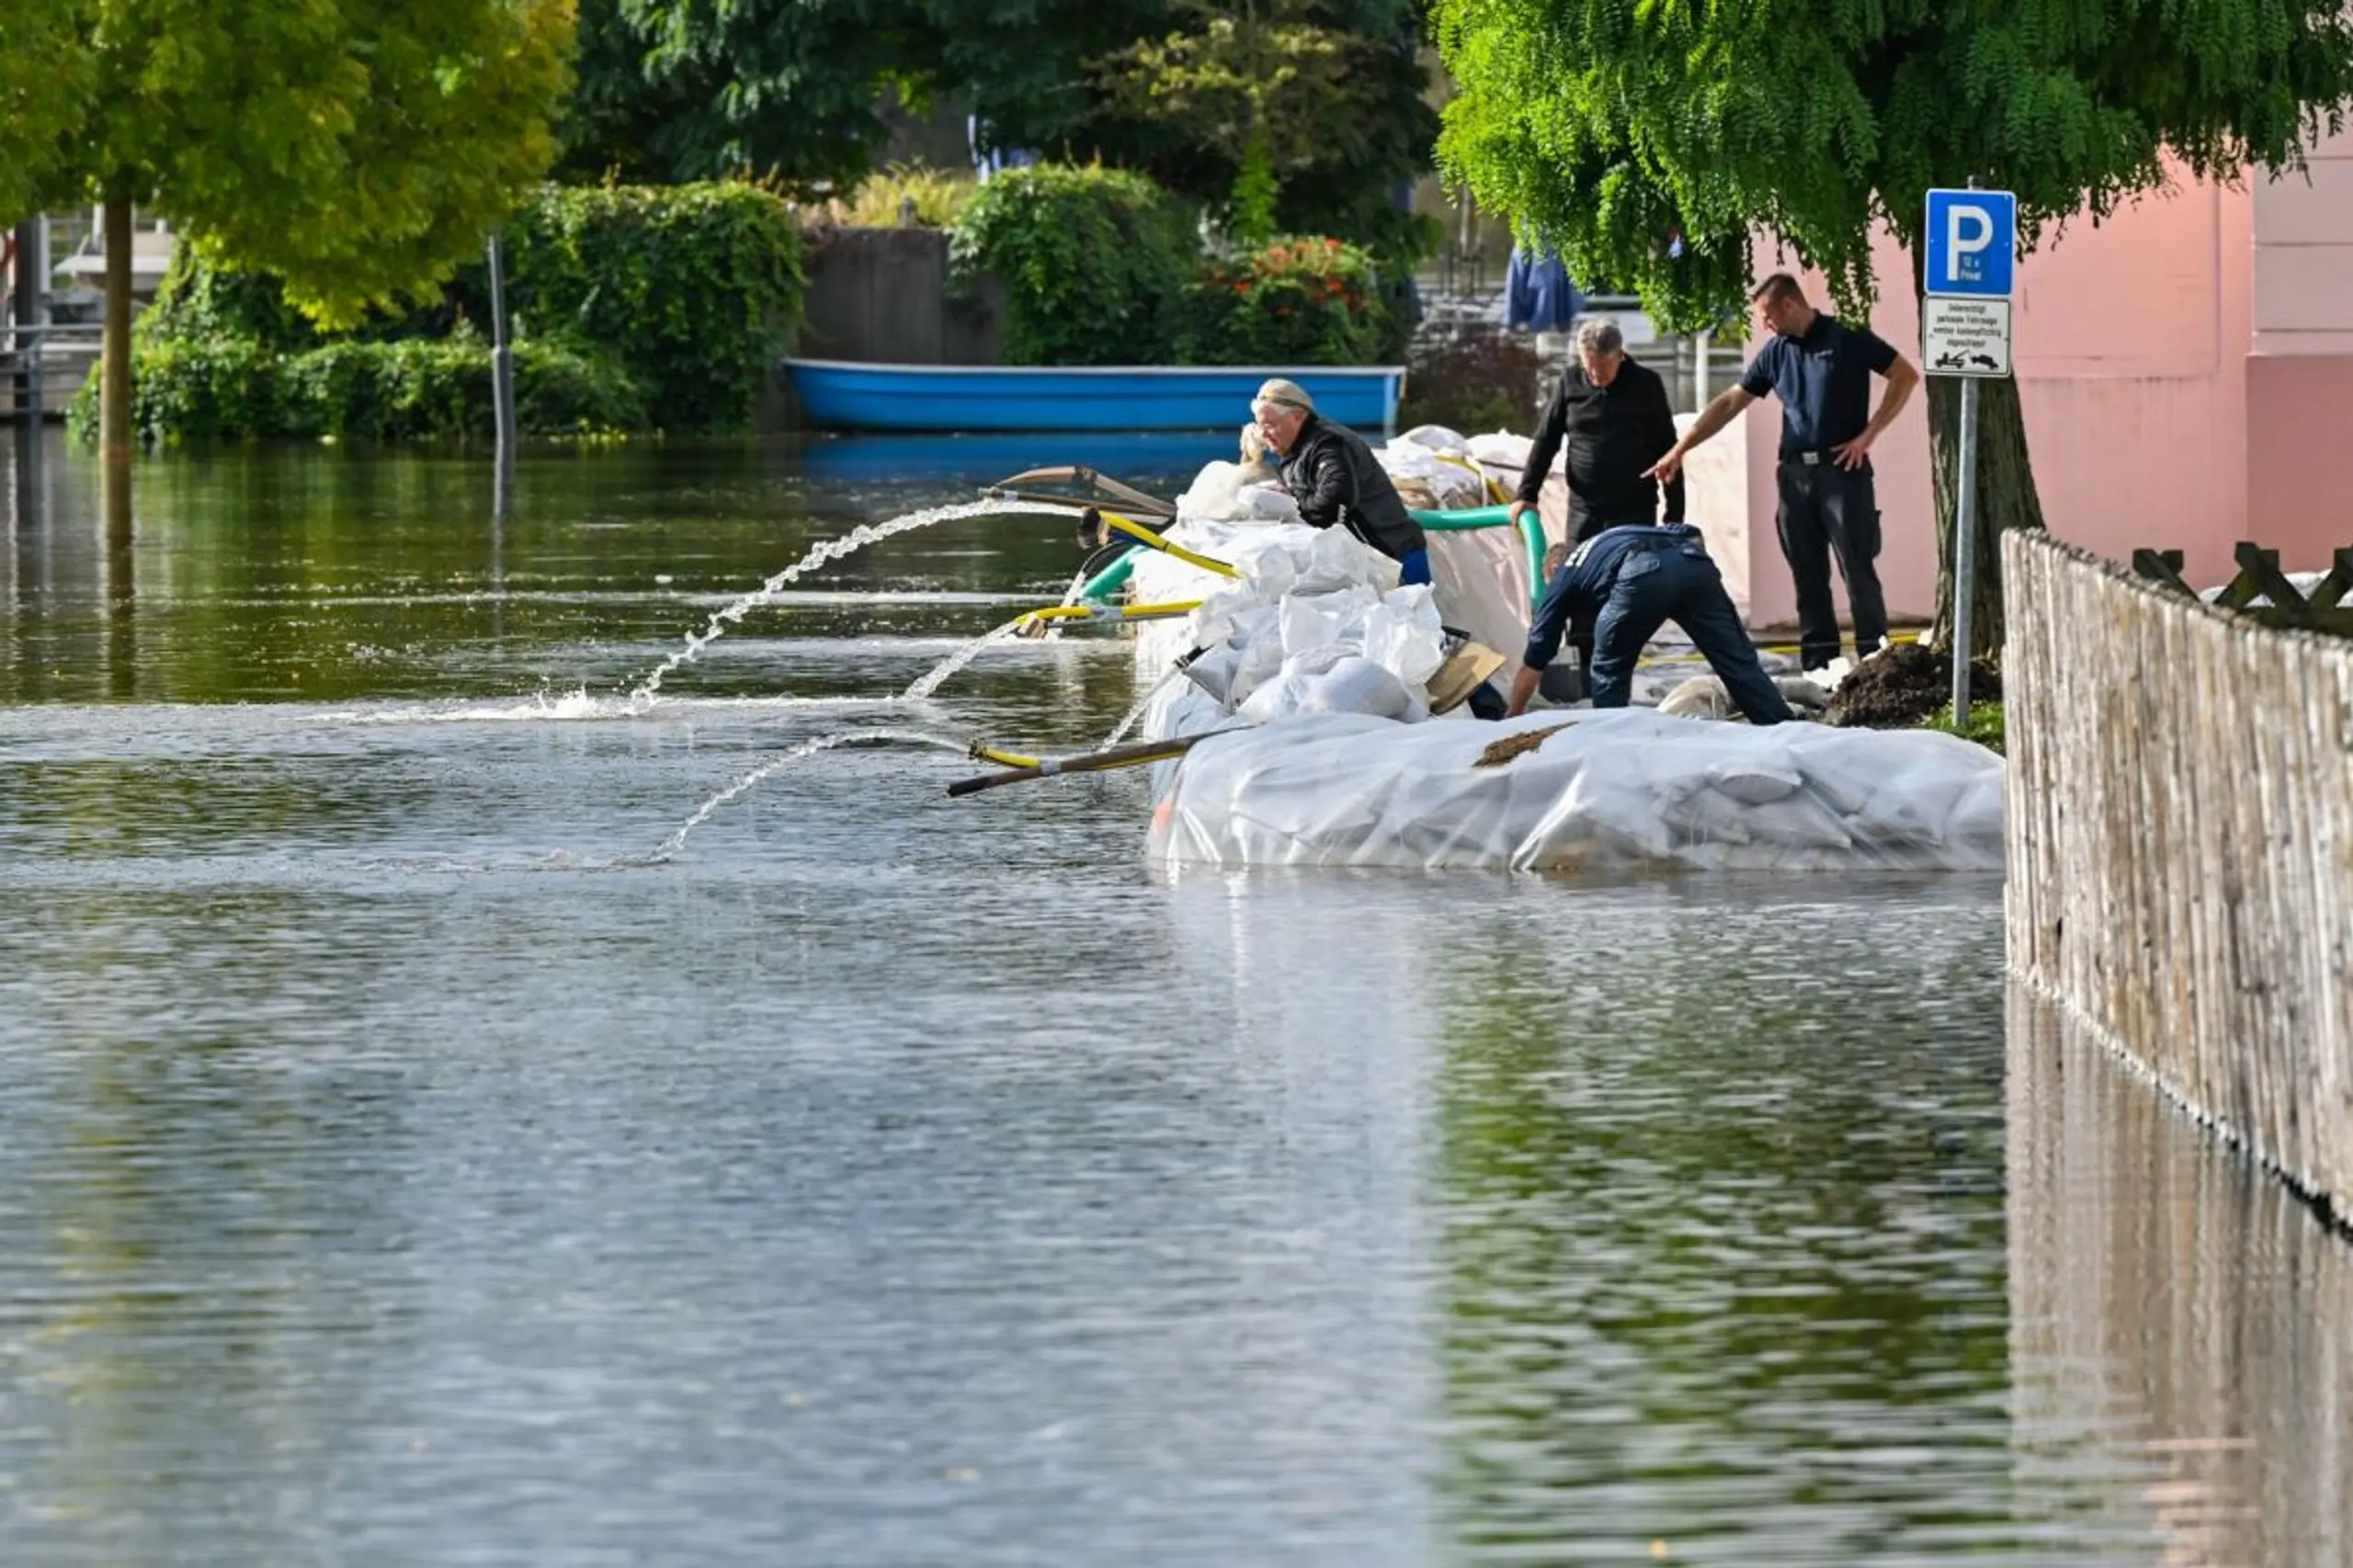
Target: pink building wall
(2187,373)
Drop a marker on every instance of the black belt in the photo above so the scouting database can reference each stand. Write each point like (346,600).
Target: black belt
(1812,457)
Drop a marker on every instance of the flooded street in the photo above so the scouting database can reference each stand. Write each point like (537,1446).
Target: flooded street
(407,1162)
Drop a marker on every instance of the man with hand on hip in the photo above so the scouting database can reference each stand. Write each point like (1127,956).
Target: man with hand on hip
(1821,370)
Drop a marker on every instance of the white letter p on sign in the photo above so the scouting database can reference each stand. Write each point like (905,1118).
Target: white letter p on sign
(1968,230)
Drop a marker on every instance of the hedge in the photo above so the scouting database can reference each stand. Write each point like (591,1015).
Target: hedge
(223,388)
(632,307)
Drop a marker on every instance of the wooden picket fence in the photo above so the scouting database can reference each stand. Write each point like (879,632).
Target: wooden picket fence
(2262,591)
(2180,810)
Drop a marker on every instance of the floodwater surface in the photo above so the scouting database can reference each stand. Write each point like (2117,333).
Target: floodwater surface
(415,1152)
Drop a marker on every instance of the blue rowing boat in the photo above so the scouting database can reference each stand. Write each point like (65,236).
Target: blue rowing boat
(839,394)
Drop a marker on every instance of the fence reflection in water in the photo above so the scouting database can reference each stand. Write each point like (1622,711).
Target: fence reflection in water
(2179,1317)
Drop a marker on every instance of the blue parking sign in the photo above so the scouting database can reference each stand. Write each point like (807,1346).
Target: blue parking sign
(1972,239)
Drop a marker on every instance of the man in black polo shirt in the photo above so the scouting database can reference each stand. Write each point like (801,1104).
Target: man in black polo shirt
(1821,370)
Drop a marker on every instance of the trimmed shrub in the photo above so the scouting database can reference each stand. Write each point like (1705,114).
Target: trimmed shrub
(632,307)
(230,389)
(693,290)
(1094,263)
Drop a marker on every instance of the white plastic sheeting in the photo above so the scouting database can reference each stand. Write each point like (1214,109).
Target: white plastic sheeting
(1318,659)
(1621,790)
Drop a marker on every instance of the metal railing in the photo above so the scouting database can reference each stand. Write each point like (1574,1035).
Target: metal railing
(28,354)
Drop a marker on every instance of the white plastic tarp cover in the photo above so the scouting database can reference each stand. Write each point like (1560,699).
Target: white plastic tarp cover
(1624,789)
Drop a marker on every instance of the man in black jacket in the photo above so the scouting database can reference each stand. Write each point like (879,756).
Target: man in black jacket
(1612,411)
(1334,476)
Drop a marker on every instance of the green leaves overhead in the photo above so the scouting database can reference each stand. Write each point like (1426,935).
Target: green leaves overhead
(361,150)
(46,76)
(1611,127)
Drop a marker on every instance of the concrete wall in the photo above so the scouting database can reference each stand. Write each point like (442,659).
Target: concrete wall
(882,295)
(2300,375)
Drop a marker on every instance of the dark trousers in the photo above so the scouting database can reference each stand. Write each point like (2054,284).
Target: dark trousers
(1826,511)
(1655,586)
(1583,526)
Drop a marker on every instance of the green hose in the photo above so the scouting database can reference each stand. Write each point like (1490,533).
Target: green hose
(1532,536)
(1111,579)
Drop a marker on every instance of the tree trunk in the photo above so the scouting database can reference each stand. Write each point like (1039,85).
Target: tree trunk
(2006,499)
(114,401)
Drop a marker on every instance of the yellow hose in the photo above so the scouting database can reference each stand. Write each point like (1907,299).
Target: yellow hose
(1136,530)
(1161,611)
(1002,758)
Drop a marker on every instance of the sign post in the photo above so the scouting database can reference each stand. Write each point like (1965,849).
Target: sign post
(1972,238)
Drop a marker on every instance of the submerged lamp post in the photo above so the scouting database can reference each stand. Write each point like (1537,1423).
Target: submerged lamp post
(502,378)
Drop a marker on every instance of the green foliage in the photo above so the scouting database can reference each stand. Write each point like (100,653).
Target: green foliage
(1474,381)
(1605,128)
(47,73)
(1985,724)
(693,290)
(1309,300)
(928,198)
(358,150)
(1250,214)
(215,387)
(688,293)
(203,299)
(679,90)
(1094,263)
(1330,96)
(789,90)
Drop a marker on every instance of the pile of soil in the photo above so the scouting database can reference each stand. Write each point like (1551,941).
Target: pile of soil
(1904,687)
(1502,751)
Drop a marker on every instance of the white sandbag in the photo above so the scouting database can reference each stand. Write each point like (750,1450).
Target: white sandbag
(1438,439)
(1502,449)
(1333,680)
(1621,788)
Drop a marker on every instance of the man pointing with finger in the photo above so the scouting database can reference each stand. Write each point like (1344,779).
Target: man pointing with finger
(1821,368)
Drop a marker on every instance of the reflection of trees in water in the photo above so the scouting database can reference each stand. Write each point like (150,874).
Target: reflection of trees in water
(1722,1233)
(328,573)
(186,1223)
(2182,1325)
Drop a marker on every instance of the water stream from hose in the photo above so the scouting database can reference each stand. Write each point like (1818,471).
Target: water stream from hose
(702,813)
(643,695)
(939,675)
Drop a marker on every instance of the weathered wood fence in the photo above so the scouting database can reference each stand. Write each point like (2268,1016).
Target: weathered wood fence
(2180,813)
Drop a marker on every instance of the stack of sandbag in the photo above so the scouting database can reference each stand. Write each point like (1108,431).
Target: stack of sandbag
(1433,470)
(1317,623)
(1624,789)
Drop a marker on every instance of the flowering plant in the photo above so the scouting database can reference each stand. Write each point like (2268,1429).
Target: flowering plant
(1298,300)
